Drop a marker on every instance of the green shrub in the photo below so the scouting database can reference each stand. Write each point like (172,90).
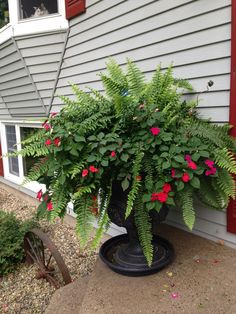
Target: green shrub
(12,233)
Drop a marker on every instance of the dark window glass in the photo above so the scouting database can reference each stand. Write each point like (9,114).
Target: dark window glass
(11,148)
(28,161)
(37,8)
(4,13)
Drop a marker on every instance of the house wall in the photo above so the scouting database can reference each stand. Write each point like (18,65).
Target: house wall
(194,35)
(29,68)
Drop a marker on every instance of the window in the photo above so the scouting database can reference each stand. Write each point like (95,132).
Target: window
(37,8)
(4,13)
(16,168)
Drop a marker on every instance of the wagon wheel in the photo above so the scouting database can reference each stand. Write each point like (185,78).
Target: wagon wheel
(39,249)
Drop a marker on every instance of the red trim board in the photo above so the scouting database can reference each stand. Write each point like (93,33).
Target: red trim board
(231,211)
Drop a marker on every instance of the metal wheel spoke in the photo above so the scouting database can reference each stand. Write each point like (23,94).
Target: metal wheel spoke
(43,252)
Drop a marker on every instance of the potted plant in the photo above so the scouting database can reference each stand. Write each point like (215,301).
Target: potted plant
(142,141)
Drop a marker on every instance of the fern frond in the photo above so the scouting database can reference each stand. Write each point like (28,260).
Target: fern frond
(144,227)
(103,225)
(136,183)
(209,196)
(185,202)
(39,169)
(135,79)
(84,219)
(225,159)
(226,183)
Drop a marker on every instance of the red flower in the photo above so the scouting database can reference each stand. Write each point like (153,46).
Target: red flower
(84,172)
(53,114)
(188,157)
(161,197)
(48,142)
(45,198)
(185,177)
(57,141)
(49,206)
(166,188)
(113,154)
(138,178)
(94,198)
(93,169)
(209,163)
(94,210)
(210,172)
(192,165)
(173,172)
(155,131)
(39,195)
(46,125)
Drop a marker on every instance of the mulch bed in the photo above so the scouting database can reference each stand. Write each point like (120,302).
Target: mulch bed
(21,292)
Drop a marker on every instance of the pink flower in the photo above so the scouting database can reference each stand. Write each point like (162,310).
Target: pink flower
(188,158)
(192,165)
(173,172)
(185,177)
(57,141)
(93,169)
(113,154)
(155,131)
(166,188)
(84,173)
(209,163)
(154,197)
(210,172)
(48,142)
(46,197)
(49,206)
(39,195)
(53,114)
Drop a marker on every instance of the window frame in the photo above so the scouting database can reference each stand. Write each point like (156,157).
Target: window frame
(7,175)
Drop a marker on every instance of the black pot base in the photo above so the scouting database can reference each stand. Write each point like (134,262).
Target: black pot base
(112,255)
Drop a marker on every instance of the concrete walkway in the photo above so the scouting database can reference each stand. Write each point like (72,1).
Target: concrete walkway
(202,279)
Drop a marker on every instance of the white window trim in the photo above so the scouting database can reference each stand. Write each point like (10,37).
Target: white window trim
(33,186)
(48,23)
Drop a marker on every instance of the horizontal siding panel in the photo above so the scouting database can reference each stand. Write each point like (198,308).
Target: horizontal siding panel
(16,75)
(24,105)
(31,111)
(17,90)
(162,23)
(195,55)
(21,97)
(7,51)
(55,57)
(45,93)
(147,45)
(12,67)
(216,114)
(9,85)
(51,67)
(36,51)
(213,99)
(41,40)
(13,57)
(122,9)
(95,10)
(41,85)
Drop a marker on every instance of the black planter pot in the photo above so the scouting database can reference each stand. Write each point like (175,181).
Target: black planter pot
(123,254)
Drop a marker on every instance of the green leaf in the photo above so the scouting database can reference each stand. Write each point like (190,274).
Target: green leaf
(179,158)
(102,150)
(204,153)
(166,165)
(146,198)
(158,206)
(195,157)
(195,182)
(91,158)
(125,184)
(150,205)
(180,185)
(79,138)
(104,163)
(170,201)
(92,138)
(74,152)
(124,157)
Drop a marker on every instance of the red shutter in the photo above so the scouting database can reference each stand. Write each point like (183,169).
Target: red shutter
(74,8)
(231,212)
(1,164)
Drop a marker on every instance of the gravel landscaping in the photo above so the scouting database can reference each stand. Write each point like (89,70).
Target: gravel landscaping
(21,292)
